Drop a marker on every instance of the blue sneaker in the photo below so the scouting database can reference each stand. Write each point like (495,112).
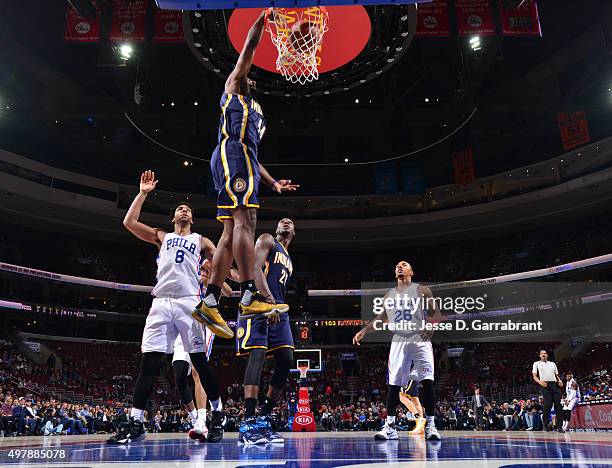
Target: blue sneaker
(250,432)
(265,425)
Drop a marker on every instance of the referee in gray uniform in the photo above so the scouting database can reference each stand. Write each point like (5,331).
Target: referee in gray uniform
(546,375)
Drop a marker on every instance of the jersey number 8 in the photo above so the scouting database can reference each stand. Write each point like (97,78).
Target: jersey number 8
(180,256)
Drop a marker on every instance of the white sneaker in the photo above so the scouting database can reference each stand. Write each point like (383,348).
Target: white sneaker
(388,432)
(199,431)
(431,433)
(529,429)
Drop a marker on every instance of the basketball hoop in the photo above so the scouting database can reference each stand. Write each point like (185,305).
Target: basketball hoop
(303,368)
(297,37)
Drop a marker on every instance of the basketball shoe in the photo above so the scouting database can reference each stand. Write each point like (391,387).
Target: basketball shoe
(250,433)
(132,432)
(265,425)
(431,433)
(217,423)
(199,431)
(211,318)
(258,306)
(419,428)
(388,432)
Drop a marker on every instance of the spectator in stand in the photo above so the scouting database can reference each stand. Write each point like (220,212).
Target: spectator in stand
(31,416)
(85,416)
(19,416)
(52,424)
(451,418)
(7,422)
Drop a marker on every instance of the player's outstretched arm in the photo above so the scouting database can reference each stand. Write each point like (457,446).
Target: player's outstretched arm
(279,186)
(131,223)
(235,81)
(264,243)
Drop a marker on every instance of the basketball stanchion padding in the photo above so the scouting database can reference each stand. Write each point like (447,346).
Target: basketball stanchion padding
(303,420)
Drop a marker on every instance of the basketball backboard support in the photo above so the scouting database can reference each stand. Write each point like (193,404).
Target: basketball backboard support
(231,4)
(313,356)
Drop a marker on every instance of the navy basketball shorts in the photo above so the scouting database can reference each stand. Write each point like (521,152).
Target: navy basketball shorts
(256,333)
(411,390)
(236,176)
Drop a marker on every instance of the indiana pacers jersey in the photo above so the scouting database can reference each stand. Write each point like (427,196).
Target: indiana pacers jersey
(242,119)
(278,270)
(178,266)
(409,316)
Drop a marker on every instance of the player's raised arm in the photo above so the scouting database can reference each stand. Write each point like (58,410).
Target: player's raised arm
(264,243)
(279,186)
(141,230)
(237,80)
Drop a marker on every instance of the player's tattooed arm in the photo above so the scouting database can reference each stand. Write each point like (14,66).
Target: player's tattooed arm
(236,81)
(279,186)
(131,220)
(264,243)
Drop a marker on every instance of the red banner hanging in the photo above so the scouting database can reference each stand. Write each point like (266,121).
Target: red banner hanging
(475,17)
(79,29)
(432,19)
(574,129)
(129,20)
(522,21)
(168,26)
(463,166)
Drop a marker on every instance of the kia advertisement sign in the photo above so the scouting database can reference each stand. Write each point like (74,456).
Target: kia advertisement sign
(304,419)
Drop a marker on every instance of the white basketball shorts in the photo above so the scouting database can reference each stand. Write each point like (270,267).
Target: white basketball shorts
(169,318)
(179,350)
(410,361)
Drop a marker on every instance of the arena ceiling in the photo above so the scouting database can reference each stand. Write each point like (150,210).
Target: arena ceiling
(67,103)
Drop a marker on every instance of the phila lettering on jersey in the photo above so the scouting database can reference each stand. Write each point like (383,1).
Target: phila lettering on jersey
(178,266)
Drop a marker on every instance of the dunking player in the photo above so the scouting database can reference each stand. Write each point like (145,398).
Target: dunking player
(237,173)
(181,364)
(409,347)
(176,293)
(259,336)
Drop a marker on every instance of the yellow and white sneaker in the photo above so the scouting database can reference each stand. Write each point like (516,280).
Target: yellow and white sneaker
(419,429)
(211,318)
(259,307)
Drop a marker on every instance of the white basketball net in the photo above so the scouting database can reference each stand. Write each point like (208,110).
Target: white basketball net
(303,370)
(297,54)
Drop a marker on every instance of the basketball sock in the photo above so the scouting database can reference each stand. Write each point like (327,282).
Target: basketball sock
(212,295)
(431,421)
(266,408)
(193,414)
(137,414)
(390,419)
(393,399)
(216,405)
(429,402)
(250,405)
(202,414)
(248,289)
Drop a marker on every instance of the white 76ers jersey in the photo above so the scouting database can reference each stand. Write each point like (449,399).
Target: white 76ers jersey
(178,266)
(408,314)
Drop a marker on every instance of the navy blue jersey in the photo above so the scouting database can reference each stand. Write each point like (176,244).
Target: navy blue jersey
(278,270)
(241,119)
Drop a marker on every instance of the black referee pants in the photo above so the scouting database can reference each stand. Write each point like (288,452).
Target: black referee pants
(552,395)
